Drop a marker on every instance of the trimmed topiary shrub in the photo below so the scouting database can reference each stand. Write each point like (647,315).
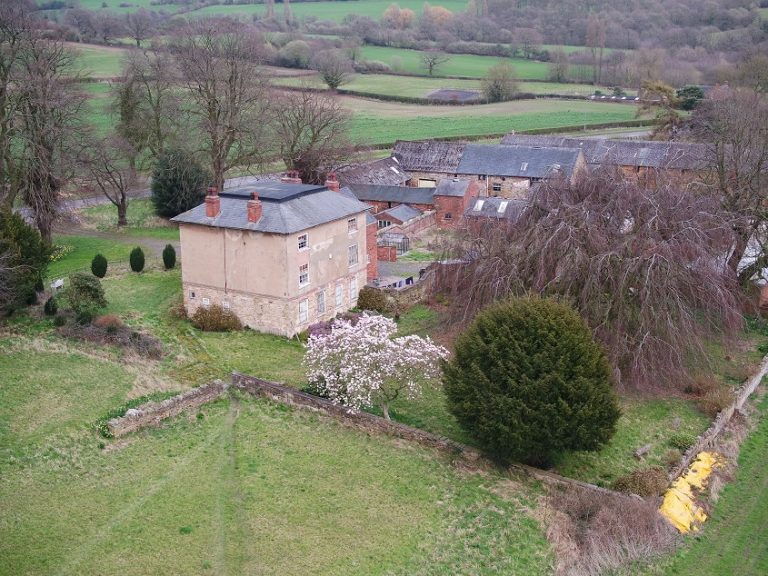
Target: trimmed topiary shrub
(51,307)
(528,381)
(169,257)
(99,266)
(646,482)
(215,319)
(136,259)
(682,441)
(372,299)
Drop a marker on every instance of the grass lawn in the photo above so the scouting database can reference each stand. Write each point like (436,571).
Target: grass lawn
(333,11)
(246,486)
(643,421)
(142,220)
(83,249)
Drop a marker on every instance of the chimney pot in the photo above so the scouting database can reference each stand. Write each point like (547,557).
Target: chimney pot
(212,203)
(291,177)
(255,208)
(332,183)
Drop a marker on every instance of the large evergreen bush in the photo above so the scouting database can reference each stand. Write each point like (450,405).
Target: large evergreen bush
(179,183)
(528,381)
(85,296)
(24,258)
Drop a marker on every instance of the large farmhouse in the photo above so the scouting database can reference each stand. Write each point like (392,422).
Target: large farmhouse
(281,255)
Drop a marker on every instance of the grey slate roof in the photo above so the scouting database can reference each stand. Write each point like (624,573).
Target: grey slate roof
(303,210)
(642,153)
(386,171)
(400,194)
(429,155)
(403,213)
(453,187)
(488,207)
(522,161)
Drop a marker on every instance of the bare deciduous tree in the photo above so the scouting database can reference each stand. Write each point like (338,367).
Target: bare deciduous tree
(734,125)
(15,33)
(148,103)
(229,103)
(49,127)
(140,25)
(311,131)
(431,61)
(106,163)
(645,268)
(334,66)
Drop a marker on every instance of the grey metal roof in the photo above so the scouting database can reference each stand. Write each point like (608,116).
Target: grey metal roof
(271,190)
(517,161)
(642,153)
(493,207)
(400,194)
(429,155)
(386,171)
(282,216)
(402,212)
(455,187)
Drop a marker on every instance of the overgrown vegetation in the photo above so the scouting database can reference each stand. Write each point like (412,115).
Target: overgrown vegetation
(215,318)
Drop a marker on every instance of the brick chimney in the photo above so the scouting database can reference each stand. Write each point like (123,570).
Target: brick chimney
(332,183)
(212,203)
(291,177)
(254,208)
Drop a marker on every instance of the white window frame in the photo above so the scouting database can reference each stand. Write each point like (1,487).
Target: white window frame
(303,311)
(448,216)
(303,239)
(321,302)
(496,187)
(339,296)
(304,273)
(353,288)
(353,262)
(206,302)
(352,226)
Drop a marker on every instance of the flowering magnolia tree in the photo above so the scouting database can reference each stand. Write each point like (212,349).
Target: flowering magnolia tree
(362,365)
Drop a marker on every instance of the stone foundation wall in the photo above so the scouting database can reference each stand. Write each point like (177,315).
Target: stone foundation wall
(152,413)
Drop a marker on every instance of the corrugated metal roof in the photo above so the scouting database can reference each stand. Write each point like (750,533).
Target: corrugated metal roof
(517,161)
(642,153)
(453,187)
(400,194)
(278,217)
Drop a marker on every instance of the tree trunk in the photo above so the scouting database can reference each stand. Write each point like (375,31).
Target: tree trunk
(385,411)
(122,211)
(738,251)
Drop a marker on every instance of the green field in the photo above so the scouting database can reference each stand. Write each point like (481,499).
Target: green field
(333,11)
(382,123)
(410,61)
(114,5)
(420,87)
(98,61)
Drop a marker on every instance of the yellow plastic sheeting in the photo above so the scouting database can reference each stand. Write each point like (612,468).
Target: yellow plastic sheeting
(679,506)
